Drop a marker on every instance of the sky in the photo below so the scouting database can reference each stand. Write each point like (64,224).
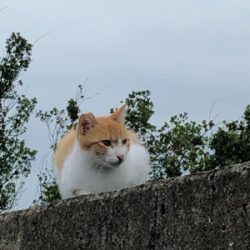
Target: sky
(192,55)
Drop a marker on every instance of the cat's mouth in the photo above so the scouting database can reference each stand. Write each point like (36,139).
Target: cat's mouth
(116,164)
(111,165)
(107,164)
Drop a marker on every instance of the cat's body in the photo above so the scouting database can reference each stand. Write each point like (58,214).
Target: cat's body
(100,155)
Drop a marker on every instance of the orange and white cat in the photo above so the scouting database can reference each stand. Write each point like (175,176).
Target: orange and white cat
(100,154)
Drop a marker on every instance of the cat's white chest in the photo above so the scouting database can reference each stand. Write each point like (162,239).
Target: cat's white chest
(81,173)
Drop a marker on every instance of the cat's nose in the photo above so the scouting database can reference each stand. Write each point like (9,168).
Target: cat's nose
(120,158)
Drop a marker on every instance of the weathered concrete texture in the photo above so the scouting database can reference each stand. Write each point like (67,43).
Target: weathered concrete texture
(209,210)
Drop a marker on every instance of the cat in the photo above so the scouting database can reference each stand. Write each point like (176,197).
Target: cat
(98,155)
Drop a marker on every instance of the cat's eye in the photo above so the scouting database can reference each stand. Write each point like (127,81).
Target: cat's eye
(106,142)
(124,141)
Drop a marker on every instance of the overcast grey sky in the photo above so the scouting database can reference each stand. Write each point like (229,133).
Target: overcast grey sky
(190,54)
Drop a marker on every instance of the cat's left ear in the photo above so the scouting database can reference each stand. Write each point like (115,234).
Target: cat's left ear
(119,114)
(86,122)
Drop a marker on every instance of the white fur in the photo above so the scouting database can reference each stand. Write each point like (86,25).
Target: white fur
(83,173)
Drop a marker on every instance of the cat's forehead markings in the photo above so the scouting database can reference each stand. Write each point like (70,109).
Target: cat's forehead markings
(111,129)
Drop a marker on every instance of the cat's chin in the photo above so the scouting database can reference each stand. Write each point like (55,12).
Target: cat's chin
(104,165)
(112,165)
(115,165)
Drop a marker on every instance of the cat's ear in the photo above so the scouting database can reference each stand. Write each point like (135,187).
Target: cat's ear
(86,122)
(119,114)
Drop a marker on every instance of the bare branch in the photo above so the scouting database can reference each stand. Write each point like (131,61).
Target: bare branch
(3,8)
(41,37)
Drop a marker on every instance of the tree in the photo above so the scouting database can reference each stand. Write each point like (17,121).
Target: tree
(140,110)
(180,146)
(15,111)
(231,143)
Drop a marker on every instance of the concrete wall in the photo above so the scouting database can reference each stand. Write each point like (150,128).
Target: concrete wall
(209,210)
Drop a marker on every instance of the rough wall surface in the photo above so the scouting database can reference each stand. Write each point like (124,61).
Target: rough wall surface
(209,210)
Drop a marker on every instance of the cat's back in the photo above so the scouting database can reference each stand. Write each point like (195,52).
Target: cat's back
(64,148)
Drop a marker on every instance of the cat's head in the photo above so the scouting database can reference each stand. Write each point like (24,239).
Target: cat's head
(105,138)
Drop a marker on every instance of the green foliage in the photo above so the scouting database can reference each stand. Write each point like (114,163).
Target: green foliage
(140,110)
(15,111)
(58,121)
(48,188)
(231,143)
(179,146)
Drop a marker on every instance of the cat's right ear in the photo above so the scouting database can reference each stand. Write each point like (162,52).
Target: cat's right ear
(86,122)
(119,114)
